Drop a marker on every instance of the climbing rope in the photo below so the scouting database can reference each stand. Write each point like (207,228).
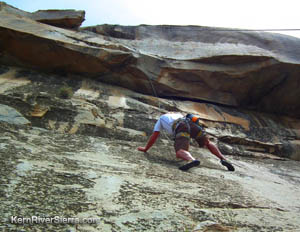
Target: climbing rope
(159,107)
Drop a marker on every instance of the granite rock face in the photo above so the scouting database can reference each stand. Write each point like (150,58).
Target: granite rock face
(78,158)
(88,99)
(252,70)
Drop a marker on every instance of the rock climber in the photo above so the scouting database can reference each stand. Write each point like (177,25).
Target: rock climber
(183,128)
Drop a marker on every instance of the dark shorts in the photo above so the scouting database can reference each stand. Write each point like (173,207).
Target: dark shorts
(184,134)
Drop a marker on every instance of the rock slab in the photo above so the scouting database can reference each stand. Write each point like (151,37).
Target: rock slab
(69,19)
(10,115)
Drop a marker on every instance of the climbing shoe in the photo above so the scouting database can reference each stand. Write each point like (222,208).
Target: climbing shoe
(189,165)
(228,165)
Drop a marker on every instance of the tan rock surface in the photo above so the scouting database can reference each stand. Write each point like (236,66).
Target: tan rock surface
(70,19)
(60,18)
(243,69)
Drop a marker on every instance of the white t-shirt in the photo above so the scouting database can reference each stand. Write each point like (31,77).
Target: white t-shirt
(166,122)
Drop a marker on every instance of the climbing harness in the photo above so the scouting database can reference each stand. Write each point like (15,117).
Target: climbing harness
(182,134)
(196,121)
(175,127)
(200,134)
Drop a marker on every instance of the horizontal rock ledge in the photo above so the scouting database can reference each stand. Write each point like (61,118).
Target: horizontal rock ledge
(70,19)
(258,71)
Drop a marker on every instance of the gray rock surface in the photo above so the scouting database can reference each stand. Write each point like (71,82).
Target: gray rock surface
(10,115)
(12,10)
(49,174)
(79,159)
(78,156)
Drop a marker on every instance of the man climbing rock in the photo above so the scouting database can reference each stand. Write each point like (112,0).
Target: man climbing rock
(184,128)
